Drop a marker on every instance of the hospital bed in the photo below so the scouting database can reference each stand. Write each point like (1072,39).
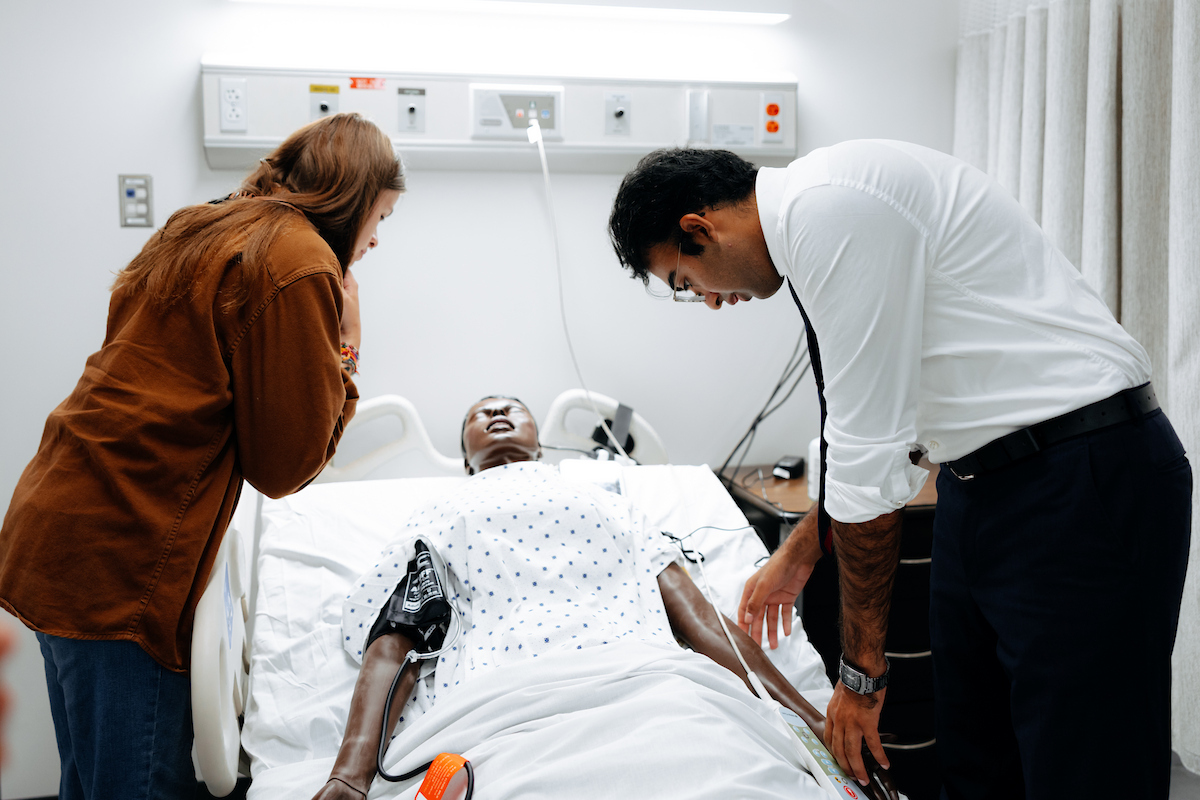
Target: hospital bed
(271,682)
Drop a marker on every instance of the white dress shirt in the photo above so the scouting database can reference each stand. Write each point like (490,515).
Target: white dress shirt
(945,317)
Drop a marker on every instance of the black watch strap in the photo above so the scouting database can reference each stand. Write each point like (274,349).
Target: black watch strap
(858,682)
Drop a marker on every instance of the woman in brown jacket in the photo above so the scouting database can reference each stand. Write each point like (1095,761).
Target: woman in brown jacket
(229,353)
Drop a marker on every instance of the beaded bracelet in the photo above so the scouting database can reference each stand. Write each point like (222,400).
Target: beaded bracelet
(350,358)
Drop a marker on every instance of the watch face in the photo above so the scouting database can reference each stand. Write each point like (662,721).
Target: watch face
(853,682)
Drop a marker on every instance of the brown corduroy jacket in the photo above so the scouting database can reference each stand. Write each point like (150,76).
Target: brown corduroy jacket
(114,525)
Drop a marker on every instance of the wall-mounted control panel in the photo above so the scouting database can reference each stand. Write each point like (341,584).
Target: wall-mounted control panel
(136,201)
(465,122)
(505,112)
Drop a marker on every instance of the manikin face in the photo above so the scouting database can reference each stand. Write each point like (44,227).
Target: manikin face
(499,431)
(367,238)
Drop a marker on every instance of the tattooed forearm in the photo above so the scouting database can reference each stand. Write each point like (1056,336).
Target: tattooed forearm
(867,554)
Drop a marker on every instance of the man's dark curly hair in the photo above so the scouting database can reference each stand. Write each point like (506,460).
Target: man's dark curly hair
(661,189)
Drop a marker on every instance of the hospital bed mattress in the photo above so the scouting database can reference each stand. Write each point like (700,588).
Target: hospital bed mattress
(627,700)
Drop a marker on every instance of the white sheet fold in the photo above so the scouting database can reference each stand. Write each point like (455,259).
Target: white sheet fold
(619,720)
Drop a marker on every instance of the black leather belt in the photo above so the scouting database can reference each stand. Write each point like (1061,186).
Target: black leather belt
(1121,407)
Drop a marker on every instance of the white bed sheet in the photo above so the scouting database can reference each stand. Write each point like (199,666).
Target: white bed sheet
(313,544)
(627,719)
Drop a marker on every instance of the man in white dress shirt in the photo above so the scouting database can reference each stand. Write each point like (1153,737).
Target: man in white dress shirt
(949,326)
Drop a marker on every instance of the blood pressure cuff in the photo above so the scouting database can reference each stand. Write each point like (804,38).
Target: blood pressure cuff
(419,608)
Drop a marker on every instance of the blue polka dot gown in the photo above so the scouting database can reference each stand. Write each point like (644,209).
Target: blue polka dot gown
(537,564)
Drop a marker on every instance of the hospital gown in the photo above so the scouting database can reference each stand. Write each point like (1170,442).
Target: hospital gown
(537,564)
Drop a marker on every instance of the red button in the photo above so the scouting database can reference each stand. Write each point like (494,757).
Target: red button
(772,126)
(772,109)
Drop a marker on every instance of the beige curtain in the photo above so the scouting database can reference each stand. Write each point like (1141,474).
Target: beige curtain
(1088,111)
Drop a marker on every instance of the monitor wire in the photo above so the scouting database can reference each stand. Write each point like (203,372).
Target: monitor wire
(535,137)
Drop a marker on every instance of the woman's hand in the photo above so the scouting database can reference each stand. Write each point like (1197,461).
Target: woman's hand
(351,321)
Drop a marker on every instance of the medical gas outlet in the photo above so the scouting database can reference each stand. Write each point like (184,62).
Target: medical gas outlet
(323,99)
(617,106)
(412,110)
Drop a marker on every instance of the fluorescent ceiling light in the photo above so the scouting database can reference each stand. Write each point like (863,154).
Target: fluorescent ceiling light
(701,11)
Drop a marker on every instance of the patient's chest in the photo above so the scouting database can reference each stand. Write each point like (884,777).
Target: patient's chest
(539,564)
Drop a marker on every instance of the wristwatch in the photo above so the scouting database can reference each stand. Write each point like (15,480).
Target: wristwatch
(858,682)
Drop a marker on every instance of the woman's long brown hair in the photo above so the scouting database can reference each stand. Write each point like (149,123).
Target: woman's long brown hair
(332,171)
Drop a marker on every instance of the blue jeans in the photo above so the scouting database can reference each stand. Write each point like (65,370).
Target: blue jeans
(1055,593)
(123,722)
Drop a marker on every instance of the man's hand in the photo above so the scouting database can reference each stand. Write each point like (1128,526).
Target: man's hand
(351,321)
(772,591)
(851,720)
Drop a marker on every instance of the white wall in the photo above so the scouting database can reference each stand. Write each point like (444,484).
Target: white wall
(459,300)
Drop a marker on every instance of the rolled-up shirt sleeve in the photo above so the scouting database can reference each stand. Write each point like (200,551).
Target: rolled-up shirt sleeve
(862,265)
(291,397)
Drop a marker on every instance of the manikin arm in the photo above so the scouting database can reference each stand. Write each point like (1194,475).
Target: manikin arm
(694,621)
(354,768)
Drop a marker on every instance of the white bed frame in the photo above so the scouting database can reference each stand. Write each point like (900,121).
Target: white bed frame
(220,644)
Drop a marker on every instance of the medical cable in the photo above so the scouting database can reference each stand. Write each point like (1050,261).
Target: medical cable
(696,557)
(759,689)
(535,137)
(413,657)
(797,361)
(563,447)
(752,432)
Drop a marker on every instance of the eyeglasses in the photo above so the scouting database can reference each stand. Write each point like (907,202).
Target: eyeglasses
(695,298)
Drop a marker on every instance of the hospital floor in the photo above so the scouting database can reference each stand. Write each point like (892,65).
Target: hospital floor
(1184,785)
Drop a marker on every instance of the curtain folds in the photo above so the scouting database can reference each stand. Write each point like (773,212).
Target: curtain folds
(1066,106)
(1033,112)
(1183,346)
(1088,111)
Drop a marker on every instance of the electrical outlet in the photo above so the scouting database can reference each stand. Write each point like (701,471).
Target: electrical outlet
(771,121)
(617,107)
(232,101)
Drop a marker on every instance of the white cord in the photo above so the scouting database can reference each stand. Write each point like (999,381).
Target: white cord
(757,684)
(413,655)
(535,137)
(759,689)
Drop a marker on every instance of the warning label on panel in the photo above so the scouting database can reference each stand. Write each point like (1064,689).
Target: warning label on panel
(366,83)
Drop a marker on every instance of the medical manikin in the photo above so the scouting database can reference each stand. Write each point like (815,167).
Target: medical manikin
(500,434)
